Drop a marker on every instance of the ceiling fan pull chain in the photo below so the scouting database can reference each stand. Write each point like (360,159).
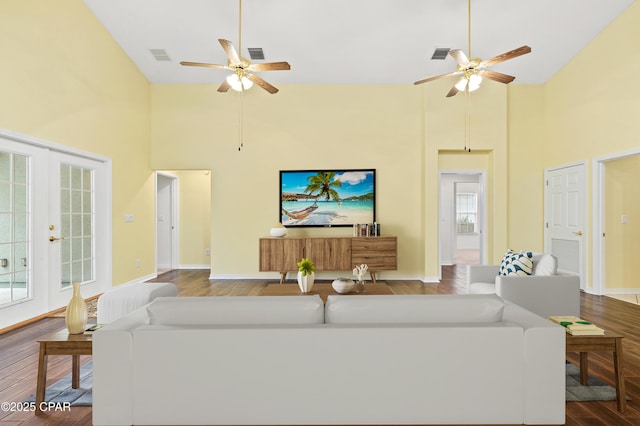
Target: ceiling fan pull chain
(241,126)
(467,120)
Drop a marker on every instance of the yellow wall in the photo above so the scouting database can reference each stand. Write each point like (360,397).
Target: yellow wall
(65,80)
(525,161)
(83,92)
(302,127)
(590,107)
(444,140)
(622,240)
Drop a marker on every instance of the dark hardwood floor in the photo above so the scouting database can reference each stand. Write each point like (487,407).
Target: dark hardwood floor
(19,348)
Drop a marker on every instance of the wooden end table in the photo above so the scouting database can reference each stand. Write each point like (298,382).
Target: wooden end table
(609,342)
(61,343)
(322,289)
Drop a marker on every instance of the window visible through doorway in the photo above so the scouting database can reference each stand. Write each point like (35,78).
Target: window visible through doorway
(466,212)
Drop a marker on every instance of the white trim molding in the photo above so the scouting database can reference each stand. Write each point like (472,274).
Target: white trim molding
(598,198)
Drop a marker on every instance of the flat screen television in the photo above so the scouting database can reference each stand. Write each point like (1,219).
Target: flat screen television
(327,198)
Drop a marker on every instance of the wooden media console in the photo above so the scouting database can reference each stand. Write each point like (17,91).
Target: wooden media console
(328,253)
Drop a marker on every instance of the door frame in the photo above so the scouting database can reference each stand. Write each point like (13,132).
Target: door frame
(105,229)
(547,214)
(175,230)
(598,253)
(482,217)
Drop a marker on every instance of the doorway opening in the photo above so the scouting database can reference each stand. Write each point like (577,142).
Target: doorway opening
(183,220)
(167,244)
(616,223)
(461,229)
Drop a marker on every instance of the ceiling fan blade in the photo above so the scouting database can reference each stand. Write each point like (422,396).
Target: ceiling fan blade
(260,82)
(453,91)
(230,51)
(271,66)
(497,76)
(224,87)
(426,80)
(523,50)
(460,57)
(200,64)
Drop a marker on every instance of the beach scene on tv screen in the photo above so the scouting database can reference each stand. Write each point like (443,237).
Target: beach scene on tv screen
(327,198)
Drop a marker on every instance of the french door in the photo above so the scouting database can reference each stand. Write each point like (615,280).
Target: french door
(55,215)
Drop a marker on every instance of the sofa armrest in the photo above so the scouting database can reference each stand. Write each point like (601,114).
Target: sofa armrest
(544,366)
(482,273)
(544,295)
(113,369)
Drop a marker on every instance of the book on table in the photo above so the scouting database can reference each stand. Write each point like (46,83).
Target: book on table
(577,326)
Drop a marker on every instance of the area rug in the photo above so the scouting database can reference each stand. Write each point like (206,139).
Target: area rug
(596,391)
(61,391)
(92,310)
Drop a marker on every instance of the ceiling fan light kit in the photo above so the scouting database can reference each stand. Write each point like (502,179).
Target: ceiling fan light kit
(238,83)
(471,82)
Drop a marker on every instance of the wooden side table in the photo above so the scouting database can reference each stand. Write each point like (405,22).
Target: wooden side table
(61,343)
(609,342)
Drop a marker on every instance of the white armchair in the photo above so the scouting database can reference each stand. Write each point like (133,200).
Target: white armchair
(544,295)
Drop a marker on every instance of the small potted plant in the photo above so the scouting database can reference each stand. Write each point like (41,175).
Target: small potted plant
(306,275)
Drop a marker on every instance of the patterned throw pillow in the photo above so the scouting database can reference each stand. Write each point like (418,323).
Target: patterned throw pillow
(516,263)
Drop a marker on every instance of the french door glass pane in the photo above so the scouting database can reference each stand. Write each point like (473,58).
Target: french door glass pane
(15,244)
(76,224)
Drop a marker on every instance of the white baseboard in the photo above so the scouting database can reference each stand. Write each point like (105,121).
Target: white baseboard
(207,266)
(242,277)
(140,279)
(621,290)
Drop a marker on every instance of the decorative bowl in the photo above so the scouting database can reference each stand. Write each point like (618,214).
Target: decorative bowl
(279,231)
(343,285)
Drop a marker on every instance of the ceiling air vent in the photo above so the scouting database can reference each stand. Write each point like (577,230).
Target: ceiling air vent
(256,53)
(160,54)
(440,53)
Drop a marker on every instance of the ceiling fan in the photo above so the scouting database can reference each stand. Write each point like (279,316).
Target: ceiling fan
(242,77)
(473,70)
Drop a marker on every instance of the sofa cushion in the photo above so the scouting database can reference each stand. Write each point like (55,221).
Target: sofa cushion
(516,263)
(413,309)
(546,265)
(240,310)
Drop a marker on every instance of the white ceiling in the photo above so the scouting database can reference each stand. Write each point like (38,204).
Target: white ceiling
(352,41)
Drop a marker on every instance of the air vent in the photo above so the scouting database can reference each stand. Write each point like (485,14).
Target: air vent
(440,53)
(160,54)
(256,53)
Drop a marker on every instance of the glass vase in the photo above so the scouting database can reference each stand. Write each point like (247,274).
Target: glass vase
(359,287)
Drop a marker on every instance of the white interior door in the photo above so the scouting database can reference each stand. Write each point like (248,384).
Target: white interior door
(48,194)
(565,218)
(167,252)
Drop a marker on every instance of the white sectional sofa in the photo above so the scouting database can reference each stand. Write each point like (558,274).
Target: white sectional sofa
(415,359)
(545,295)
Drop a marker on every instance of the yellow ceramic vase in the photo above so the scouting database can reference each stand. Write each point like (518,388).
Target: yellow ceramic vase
(76,316)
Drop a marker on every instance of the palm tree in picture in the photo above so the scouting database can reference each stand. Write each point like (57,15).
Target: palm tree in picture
(323,183)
